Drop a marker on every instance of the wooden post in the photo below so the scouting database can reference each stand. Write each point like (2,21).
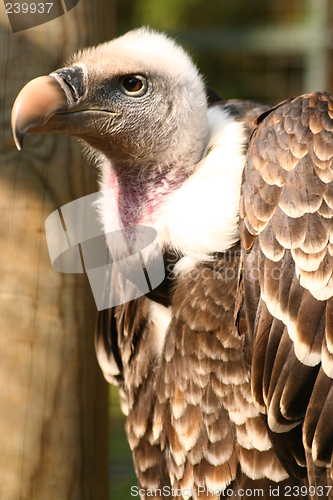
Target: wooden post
(53,399)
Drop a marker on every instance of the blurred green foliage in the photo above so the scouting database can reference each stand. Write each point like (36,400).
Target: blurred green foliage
(122,475)
(231,72)
(171,15)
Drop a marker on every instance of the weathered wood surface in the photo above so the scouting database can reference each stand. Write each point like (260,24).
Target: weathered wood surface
(53,400)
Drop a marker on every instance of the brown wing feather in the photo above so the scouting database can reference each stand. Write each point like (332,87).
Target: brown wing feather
(286,231)
(187,408)
(191,417)
(203,391)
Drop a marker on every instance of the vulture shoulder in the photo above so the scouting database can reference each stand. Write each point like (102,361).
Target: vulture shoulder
(286,223)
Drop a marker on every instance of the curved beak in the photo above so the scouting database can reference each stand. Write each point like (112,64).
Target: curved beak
(55,96)
(60,103)
(37,102)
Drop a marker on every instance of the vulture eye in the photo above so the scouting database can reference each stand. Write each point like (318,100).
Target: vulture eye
(134,85)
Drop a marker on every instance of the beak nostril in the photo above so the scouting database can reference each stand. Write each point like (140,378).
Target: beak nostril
(73,79)
(70,87)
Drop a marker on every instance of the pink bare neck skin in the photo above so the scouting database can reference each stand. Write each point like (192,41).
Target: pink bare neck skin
(139,194)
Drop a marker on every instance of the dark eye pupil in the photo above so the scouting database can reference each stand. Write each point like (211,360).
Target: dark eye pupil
(132,84)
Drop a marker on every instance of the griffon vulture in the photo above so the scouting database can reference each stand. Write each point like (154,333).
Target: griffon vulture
(225,371)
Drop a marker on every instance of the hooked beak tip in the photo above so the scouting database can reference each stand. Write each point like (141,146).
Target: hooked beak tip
(18,142)
(40,99)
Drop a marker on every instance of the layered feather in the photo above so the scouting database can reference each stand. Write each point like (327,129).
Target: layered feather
(286,231)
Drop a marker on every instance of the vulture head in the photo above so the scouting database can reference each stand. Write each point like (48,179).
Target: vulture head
(131,100)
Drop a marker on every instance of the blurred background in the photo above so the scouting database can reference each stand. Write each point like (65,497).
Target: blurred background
(259,50)
(266,51)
